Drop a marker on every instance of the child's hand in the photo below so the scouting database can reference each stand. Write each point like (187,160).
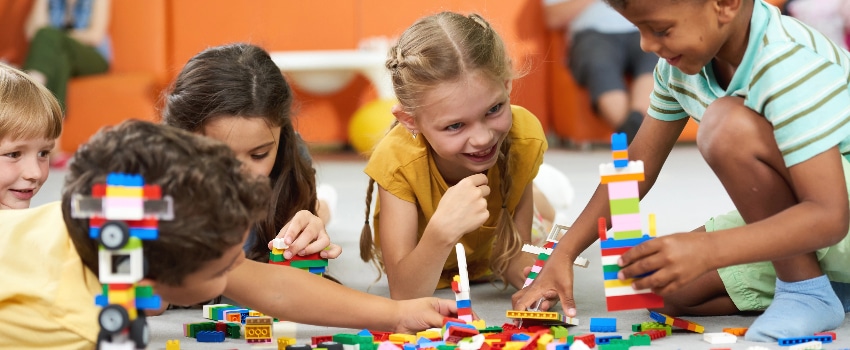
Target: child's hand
(554,281)
(420,314)
(677,260)
(463,208)
(305,234)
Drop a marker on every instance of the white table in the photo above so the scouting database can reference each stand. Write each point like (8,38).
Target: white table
(327,71)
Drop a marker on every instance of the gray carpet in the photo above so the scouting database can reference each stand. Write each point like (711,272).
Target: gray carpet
(686,194)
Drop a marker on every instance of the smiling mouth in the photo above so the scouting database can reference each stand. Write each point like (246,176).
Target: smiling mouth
(483,155)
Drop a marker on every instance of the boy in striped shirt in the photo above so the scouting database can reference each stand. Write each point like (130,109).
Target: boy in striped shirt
(773,101)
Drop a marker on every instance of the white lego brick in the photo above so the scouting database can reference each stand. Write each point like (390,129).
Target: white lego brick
(719,338)
(634,167)
(463,284)
(279,244)
(207,308)
(579,345)
(581,261)
(462,295)
(284,329)
(118,345)
(130,270)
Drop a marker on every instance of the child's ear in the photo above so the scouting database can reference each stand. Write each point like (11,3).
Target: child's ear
(509,85)
(727,10)
(404,118)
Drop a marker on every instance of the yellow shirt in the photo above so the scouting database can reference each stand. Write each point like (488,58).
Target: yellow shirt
(405,167)
(46,294)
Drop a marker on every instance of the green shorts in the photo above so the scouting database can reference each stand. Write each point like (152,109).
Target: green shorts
(751,286)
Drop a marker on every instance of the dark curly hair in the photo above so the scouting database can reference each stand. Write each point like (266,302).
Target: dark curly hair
(215,202)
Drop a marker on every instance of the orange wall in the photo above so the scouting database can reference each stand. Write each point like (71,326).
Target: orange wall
(341,24)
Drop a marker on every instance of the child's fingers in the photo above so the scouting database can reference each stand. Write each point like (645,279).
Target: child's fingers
(321,242)
(331,252)
(637,253)
(476,180)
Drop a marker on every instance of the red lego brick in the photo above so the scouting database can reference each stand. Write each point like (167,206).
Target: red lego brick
(631,302)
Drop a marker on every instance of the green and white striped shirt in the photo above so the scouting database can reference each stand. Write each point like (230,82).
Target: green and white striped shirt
(791,74)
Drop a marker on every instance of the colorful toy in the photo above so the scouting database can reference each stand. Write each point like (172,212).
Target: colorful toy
(123,212)
(312,263)
(676,322)
(545,251)
(622,178)
(258,329)
(460,285)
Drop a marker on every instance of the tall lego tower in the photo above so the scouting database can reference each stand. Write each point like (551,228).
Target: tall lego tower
(622,178)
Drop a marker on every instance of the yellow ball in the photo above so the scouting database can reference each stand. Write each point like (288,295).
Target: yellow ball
(369,124)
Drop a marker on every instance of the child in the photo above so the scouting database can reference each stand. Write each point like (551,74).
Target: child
(459,165)
(773,98)
(236,94)
(197,256)
(30,121)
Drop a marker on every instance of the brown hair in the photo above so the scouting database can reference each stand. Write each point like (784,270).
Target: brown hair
(27,108)
(242,80)
(443,48)
(215,202)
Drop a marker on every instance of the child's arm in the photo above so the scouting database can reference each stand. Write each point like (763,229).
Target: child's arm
(652,144)
(291,294)
(37,18)
(99,24)
(819,220)
(306,234)
(414,265)
(522,220)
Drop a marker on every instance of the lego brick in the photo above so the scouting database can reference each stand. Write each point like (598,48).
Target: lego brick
(719,338)
(210,337)
(605,339)
(739,332)
(800,340)
(624,206)
(676,322)
(807,346)
(637,301)
(602,324)
(623,243)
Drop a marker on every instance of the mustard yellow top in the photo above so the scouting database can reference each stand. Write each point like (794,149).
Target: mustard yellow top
(405,167)
(46,294)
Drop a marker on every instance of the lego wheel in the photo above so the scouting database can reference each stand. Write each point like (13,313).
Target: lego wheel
(140,332)
(114,234)
(113,318)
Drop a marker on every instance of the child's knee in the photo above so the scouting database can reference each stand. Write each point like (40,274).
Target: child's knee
(727,124)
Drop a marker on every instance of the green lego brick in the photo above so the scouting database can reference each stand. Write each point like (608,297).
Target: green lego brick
(276,257)
(234,330)
(625,206)
(559,332)
(308,263)
(144,291)
(628,234)
(543,257)
(532,275)
(636,327)
(639,339)
(615,268)
(491,329)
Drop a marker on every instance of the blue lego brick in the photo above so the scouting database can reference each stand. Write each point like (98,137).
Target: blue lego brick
(431,344)
(623,243)
(210,336)
(119,179)
(152,302)
(621,163)
(364,333)
(101,300)
(316,270)
(144,233)
(608,276)
(520,337)
(601,324)
(408,346)
(619,141)
(464,303)
(657,317)
(605,339)
(800,340)
(562,346)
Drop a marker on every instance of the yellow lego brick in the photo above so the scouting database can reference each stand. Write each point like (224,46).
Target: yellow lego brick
(124,192)
(514,345)
(282,342)
(618,283)
(403,338)
(544,340)
(428,334)
(172,344)
(278,251)
(536,315)
(479,324)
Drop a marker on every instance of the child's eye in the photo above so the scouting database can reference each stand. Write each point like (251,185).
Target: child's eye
(13,155)
(260,156)
(661,33)
(454,126)
(495,109)
(44,154)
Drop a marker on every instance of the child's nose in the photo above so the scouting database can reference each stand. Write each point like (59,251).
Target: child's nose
(481,136)
(33,169)
(649,44)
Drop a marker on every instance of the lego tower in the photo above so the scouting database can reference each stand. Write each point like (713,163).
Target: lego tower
(622,178)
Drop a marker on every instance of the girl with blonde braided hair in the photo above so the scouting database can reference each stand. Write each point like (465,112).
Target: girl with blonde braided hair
(458,165)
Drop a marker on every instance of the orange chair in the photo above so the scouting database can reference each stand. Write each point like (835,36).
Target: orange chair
(137,75)
(573,118)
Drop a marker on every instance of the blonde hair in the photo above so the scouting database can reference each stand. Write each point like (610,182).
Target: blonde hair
(27,108)
(437,49)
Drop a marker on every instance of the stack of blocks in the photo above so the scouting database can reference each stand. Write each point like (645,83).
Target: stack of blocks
(622,178)
(312,263)
(460,285)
